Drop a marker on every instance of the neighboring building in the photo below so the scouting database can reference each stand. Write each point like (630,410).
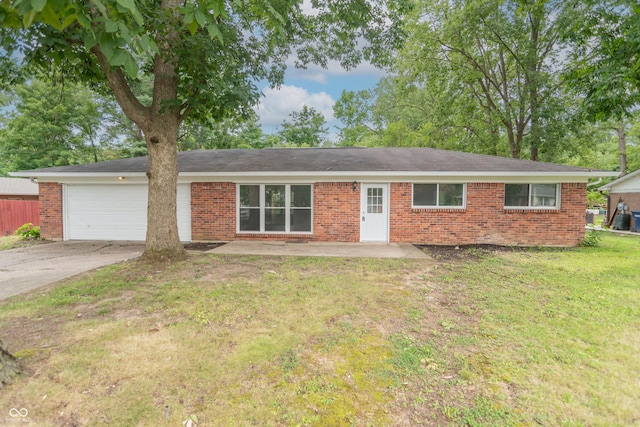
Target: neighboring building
(18,204)
(416,195)
(625,189)
(18,189)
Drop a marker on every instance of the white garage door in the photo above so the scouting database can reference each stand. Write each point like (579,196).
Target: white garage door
(116,212)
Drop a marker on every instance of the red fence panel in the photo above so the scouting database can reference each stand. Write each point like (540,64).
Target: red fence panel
(15,213)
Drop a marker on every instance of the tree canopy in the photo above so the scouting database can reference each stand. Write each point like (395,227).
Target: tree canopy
(307,128)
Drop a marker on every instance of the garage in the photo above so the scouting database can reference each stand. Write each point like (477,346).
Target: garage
(115,212)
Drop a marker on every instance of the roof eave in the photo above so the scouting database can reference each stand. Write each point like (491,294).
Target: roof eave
(583,175)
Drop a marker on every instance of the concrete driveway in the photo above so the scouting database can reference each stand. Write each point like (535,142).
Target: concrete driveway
(24,269)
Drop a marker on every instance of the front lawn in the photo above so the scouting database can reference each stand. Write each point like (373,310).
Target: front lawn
(473,337)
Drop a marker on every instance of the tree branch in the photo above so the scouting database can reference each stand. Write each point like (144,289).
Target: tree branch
(132,108)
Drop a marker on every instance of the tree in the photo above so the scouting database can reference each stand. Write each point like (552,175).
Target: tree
(483,74)
(306,129)
(205,57)
(51,124)
(355,111)
(233,132)
(604,67)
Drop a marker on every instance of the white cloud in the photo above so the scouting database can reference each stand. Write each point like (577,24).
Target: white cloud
(321,75)
(278,103)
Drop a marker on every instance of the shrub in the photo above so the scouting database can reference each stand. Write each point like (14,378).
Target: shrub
(592,238)
(28,231)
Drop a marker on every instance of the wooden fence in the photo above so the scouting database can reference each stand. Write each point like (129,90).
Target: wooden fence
(15,213)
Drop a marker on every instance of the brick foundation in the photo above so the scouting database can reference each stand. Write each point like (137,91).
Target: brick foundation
(50,210)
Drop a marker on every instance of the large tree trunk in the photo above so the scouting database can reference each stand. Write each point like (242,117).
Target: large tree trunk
(162,225)
(9,366)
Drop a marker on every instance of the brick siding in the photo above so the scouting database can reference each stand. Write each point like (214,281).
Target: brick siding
(51,210)
(213,211)
(486,221)
(336,212)
(336,217)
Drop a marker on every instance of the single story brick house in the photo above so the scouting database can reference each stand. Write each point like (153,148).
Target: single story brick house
(627,189)
(415,195)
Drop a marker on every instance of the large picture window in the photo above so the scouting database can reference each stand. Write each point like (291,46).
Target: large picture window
(438,195)
(544,196)
(278,208)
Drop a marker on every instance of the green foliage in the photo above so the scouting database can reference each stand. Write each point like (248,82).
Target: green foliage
(355,111)
(475,76)
(237,43)
(603,70)
(306,129)
(478,74)
(592,238)
(53,124)
(228,133)
(595,198)
(28,231)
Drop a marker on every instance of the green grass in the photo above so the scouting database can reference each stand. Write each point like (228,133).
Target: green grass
(9,242)
(525,337)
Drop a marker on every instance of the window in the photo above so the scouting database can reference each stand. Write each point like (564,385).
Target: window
(531,196)
(374,200)
(274,208)
(438,195)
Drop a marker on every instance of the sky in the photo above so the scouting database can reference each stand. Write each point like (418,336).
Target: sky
(314,87)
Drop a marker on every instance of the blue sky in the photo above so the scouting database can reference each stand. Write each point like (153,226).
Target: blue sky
(314,87)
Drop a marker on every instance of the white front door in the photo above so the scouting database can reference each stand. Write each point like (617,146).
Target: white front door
(374,213)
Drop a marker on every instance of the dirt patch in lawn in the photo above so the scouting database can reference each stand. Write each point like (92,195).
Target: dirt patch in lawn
(203,246)
(467,252)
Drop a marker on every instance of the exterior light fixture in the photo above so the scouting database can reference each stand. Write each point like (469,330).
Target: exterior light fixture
(355,185)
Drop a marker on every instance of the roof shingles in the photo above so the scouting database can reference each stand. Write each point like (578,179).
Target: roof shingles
(318,160)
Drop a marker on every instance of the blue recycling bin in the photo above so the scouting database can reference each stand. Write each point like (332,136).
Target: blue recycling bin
(636,220)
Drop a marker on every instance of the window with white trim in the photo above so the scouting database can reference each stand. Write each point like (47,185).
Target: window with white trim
(438,195)
(539,196)
(275,208)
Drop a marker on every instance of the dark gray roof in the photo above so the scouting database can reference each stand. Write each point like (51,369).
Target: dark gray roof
(317,160)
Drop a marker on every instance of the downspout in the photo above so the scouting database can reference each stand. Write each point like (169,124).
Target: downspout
(591,184)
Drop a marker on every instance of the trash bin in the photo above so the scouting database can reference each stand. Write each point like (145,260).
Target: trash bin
(636,220)
(590,218)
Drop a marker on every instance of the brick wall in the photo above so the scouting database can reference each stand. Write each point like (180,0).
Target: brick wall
(213,211)
(336,217)
(336,212)
(50,210)
(485,221)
